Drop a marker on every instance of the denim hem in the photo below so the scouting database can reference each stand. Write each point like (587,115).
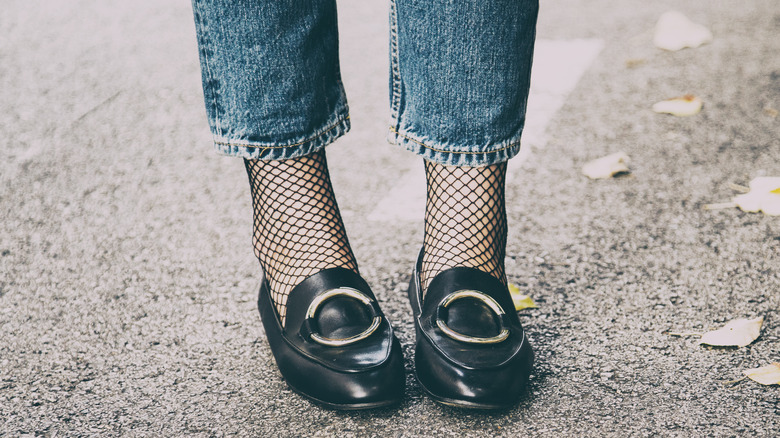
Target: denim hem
(495,154)
(395,69)
(274,151)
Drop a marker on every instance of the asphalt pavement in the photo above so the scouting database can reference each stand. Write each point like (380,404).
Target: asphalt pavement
(128,283)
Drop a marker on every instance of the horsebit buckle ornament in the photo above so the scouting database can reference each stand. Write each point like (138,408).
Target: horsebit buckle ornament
(351,293)
(485,299)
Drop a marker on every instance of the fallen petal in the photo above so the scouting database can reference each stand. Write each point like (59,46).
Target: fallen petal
(771,205)
(764,195)
(749,202)
(687,105)
(607,167)
(739,332)
(674,31)
(765,183)
(768,375)
(521,301)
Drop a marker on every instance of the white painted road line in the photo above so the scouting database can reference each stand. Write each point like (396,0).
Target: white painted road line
(558,67)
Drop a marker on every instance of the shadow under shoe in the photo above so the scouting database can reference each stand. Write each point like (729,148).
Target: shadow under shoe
(336,348)
(471,349)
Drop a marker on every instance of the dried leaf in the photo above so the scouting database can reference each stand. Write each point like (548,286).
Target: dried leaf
(739,332)
(764,195)
(768,375)
(771,112)
(607,167)
(674,31)
(682,106)
(521,301)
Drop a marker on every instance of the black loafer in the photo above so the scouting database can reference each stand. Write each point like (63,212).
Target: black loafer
(336,348)
(471,350)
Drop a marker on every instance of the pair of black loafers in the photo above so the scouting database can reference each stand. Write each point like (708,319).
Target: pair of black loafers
(339,350)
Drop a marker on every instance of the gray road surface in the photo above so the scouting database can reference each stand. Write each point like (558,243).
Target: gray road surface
(127,280)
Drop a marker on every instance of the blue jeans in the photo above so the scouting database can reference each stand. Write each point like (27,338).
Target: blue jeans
(459,77)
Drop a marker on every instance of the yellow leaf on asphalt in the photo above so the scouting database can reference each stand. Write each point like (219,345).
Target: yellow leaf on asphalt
(682,106)
(739,333)
(768,375)
(674,31)
(521,301)
(764,195)
(607,167)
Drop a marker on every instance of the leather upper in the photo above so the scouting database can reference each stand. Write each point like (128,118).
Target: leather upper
(370,352)
(471,356)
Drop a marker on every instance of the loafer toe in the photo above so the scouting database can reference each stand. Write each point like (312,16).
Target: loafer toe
(449,384)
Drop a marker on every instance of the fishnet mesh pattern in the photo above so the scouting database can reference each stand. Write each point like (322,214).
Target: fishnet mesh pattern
(465,220)
(298,230)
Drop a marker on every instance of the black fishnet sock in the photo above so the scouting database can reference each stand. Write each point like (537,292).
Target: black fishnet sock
(465,220)
(298,229)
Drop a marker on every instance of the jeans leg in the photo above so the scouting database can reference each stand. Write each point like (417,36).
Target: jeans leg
(271,78)
(460,73)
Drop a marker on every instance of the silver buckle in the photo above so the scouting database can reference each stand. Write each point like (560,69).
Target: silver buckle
(349,292)
(488,301)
